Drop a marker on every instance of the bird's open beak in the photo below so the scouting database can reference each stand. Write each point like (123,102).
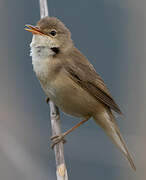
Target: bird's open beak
(33,29)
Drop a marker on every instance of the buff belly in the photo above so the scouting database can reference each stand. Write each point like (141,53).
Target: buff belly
(70,97)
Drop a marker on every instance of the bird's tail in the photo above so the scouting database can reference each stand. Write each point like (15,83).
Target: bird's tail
(107,121)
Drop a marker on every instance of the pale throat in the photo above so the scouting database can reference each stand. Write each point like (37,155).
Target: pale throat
(41,47)
(41,53)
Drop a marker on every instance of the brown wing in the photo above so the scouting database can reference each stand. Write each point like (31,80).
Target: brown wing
(83,73)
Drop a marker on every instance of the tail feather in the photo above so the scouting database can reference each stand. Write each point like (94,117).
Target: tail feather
(107,121)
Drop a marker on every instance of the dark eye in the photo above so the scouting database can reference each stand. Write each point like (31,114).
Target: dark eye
(53,32)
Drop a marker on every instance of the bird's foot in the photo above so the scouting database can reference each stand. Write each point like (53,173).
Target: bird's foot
(57,139)
(47,100)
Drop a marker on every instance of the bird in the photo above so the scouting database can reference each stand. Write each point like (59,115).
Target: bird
(71,82)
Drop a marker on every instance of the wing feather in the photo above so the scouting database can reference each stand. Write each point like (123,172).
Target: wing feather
(84,74)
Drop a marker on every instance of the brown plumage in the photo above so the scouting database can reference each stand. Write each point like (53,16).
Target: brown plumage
(70,81)
(84,74)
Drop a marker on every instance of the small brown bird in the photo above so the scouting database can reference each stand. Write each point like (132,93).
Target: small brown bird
(70,81)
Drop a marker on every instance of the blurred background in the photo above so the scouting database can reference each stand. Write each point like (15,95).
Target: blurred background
(111,33)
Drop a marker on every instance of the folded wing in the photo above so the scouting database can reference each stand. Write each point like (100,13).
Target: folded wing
(84,74)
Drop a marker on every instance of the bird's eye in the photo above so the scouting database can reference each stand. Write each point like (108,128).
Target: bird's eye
(53,32)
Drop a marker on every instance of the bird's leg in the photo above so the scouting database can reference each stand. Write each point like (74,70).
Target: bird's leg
(47,100)
(56,139)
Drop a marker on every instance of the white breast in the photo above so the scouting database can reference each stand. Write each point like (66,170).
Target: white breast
(42,57)
(41,53)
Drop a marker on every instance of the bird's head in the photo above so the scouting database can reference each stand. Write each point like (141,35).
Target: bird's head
(50,32)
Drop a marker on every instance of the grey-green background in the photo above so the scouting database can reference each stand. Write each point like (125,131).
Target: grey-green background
(111,33)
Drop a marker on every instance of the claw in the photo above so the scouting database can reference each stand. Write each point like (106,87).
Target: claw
(57,139)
